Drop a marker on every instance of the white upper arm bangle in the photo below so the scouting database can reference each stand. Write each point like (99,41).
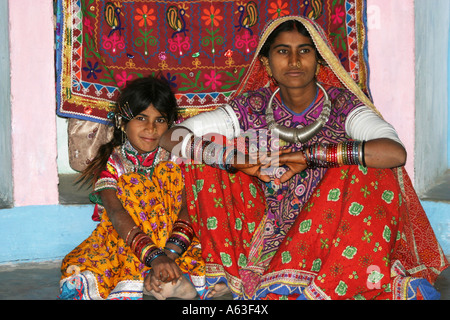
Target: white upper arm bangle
(223,121)
(364,124)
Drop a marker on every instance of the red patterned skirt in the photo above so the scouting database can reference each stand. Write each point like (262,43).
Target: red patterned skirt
(361,235)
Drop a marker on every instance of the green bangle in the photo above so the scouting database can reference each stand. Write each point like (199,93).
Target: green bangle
(173,251)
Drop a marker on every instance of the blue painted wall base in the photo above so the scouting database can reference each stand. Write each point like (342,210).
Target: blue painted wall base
(439,215)
(45,233)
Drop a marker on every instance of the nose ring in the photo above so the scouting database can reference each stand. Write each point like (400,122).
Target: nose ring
(297,64)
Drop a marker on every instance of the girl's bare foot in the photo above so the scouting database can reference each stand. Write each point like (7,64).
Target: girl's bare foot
(182,289)
(218,290)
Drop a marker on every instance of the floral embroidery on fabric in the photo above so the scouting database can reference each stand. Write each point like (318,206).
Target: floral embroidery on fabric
(103,44)
(112,269)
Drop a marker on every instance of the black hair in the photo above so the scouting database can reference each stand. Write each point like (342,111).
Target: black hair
(286,26)
(140,93)
(137,95)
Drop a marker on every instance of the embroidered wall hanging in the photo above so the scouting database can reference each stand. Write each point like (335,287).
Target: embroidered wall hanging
(203,48)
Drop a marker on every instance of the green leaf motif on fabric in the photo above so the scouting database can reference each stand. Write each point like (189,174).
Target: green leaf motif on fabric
(305,226)
(238,224)
(211,223)
(355,209)
(341,289)
(367,236)
(242,262)
(286,257)
(388,196)
(252,190)
(218,203)
(197,187)
(375,277)
(251,227)
(365,191)
(226,259)
(344,174)
(349,252)
(317,264)
(387,234)
(334,195)
(363,169)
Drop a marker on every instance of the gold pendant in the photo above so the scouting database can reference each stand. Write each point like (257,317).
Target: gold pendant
(283,143)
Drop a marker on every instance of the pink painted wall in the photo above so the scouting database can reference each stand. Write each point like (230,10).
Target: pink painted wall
(392,67)
(35,178)
(391,55)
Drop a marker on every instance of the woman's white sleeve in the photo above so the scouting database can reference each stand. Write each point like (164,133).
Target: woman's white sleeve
(364,124)
(223,121)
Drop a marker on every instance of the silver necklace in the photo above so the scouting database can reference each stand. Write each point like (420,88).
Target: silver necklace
(298,135)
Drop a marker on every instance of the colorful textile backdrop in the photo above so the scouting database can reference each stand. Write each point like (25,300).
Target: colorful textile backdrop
(203,48)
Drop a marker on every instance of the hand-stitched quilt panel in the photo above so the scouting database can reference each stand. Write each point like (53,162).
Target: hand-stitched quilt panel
(203,48)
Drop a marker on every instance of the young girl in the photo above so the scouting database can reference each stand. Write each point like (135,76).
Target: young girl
(140,206)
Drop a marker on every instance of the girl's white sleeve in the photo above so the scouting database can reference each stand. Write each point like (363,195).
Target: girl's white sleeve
(364,124)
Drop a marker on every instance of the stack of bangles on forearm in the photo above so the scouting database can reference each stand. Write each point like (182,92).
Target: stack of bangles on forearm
(211,153)
(146,251)
(316,155)
(182,235)
(335,154)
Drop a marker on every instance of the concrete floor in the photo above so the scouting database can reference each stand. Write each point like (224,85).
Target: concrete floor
(40,281)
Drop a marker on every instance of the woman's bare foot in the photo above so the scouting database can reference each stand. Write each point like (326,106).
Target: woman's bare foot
(182,289)
(218,290)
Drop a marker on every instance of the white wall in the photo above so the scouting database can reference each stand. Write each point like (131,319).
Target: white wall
(6,192)
(432,52)
(63,146)
(391,61)
(33,99)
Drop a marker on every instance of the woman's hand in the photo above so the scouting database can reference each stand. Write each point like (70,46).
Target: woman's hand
(252,165)
(295,161)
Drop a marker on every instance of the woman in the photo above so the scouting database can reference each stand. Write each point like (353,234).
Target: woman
(340,216)
(142,234)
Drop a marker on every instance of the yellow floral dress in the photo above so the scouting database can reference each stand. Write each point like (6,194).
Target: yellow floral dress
(103,266)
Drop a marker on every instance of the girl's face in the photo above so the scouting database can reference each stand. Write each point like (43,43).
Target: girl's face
(145,129)
(292,60)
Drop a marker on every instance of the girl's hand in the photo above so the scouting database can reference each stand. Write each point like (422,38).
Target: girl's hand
(166,270)
(152,283)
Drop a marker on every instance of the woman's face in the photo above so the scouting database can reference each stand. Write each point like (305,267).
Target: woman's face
(145,129)
(292,60)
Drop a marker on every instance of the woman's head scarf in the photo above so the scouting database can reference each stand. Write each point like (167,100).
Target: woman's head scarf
(333,73)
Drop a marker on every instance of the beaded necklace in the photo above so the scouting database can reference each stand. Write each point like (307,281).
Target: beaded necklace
(141,163)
